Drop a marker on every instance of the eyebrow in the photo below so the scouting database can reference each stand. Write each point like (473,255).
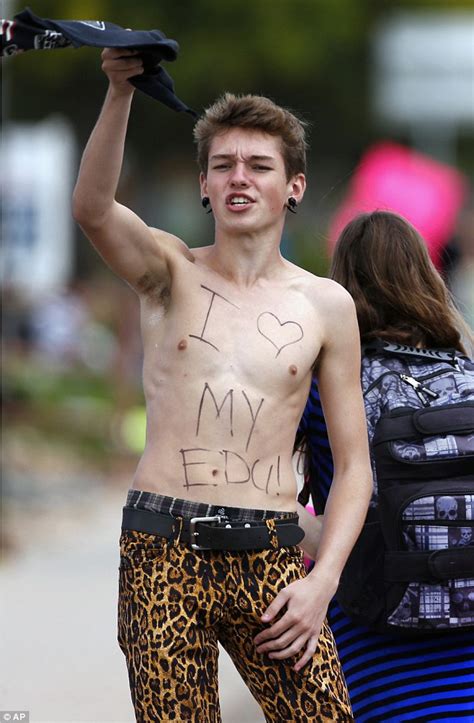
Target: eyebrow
(230,156)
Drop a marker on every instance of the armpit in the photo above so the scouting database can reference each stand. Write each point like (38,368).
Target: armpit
(157,291)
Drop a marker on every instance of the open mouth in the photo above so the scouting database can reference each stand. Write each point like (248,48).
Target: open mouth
(238,200)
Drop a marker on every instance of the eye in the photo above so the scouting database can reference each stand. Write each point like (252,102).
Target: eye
(261,167)
(221,167)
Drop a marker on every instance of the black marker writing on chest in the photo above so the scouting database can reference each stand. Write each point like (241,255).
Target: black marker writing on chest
(206,321)
(229,397)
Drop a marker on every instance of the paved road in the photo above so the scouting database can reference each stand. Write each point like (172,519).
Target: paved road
(60,657)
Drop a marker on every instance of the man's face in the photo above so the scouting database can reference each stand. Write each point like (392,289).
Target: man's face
(246,181)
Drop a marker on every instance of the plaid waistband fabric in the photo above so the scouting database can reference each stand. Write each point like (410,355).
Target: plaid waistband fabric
(186,509)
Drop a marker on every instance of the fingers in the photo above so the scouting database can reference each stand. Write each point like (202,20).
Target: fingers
(286,647)
(275,607)
(282,634)
(277,643)
(287,637)
(290,649)
(119,64)
(311,646)
(285,623)
(114,53)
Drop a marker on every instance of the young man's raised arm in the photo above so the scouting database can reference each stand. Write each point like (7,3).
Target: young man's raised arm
(131,248)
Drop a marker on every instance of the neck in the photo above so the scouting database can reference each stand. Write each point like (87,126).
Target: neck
(246,258)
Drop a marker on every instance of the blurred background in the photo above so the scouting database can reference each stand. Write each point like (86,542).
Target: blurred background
(387,88)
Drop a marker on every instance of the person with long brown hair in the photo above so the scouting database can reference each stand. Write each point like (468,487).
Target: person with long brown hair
(384,263)
(401,299)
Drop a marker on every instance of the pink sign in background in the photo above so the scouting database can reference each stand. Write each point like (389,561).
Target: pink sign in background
(392,177)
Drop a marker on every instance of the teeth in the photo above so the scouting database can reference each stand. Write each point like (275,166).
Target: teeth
(239,200)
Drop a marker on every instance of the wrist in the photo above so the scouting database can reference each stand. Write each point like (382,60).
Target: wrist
(324,577)
(121,92)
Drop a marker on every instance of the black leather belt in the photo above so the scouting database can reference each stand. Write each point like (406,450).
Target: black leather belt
(213,533)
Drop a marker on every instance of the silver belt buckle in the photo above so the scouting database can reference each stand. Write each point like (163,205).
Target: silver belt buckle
(192,529)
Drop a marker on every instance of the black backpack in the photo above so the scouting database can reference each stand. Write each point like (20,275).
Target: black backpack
(412,568)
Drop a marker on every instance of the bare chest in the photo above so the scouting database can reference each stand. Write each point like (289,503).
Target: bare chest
(262,338)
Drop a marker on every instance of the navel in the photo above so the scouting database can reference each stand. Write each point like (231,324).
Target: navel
(215,472)
(293,370)
(182,344)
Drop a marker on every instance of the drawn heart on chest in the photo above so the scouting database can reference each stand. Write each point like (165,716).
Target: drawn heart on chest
(280,334)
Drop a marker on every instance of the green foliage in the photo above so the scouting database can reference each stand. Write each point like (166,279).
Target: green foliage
(32,381)
(71,407)
(313,56)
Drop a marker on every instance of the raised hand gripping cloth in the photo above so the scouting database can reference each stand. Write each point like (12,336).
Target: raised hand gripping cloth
(27,31)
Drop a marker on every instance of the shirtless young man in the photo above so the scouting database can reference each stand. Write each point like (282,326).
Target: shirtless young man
(231,335)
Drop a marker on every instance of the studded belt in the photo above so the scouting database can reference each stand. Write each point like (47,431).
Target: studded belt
(217,532)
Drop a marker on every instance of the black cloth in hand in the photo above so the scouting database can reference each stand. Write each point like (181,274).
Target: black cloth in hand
(27,31)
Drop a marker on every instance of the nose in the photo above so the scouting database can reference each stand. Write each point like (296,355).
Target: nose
(238,178)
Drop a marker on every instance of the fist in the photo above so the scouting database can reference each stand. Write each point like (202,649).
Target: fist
(120,64)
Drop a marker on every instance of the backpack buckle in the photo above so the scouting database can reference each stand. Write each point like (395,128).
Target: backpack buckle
(442,566)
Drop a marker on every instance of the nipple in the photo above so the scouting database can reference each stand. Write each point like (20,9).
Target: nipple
(293,370)
(182,344)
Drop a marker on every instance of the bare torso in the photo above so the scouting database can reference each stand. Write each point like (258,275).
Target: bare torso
(226,375)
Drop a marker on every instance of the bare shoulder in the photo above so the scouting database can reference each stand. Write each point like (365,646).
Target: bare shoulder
(172,245)
(334,297)
(326,295)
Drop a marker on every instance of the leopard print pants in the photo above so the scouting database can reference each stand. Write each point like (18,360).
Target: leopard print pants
(176,604)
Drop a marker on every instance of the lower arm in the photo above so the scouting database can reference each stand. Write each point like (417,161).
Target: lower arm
(344,516)
(312,527)
(102,159)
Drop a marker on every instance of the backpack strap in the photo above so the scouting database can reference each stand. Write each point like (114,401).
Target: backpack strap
(386,347)
(409,566)
(407,424)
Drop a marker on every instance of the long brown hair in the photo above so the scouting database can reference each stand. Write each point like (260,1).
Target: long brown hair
(399,295)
